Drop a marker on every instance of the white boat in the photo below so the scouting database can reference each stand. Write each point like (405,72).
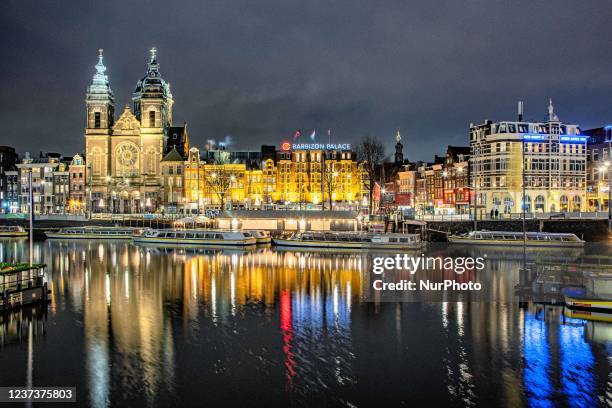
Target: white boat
(261,237)
(512,238)
(92,233)
(12,231)
(195,237)
(344,240)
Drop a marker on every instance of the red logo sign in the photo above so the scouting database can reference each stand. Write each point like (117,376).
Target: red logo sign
(286,146)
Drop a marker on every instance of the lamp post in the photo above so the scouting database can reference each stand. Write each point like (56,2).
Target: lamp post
(605,169)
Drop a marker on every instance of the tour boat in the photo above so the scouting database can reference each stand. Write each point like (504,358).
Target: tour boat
(92,233)
(12,231)
(195,237)
(261,237)
(596,293)
(580,298)
(512,238)
(344,240)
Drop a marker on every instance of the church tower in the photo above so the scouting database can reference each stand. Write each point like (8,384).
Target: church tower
(100,101)
(399,147)
(100,111)
(152,100)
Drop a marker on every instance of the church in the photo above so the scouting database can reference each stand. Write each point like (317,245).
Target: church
(123,156)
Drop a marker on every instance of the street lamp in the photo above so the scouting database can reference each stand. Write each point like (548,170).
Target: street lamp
(605,169)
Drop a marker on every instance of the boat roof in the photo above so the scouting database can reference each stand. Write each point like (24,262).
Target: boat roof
(6,267)
(289,214)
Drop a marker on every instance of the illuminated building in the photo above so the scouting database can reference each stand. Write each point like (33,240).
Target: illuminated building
(599,158)
(555,165)
(288,177)
(76,174)
(315,175)
(42,169)
(124,156)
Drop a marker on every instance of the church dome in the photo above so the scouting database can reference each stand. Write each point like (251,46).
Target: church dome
(152,85)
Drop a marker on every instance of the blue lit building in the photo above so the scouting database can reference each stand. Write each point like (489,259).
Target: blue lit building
(554,156)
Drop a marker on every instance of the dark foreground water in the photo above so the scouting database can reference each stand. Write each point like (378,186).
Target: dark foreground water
(132,326)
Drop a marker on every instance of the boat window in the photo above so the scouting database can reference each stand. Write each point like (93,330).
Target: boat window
(218,236)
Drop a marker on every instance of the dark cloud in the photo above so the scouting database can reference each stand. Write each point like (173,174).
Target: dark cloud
(257,70)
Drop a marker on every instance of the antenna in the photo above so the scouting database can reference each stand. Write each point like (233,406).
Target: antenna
(520,111)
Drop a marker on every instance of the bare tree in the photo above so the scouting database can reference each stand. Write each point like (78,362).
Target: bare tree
(331,181)
(370,153)
(221,178)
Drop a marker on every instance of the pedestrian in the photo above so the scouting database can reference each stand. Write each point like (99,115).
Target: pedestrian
(491,213)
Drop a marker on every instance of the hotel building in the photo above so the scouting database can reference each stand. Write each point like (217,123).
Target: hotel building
(554,158)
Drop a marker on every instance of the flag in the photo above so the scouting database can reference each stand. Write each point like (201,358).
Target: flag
(297,134)
(313,135)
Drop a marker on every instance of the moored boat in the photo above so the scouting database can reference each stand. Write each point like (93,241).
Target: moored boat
(92,233)
(21,284)
(344,240)
(195,237)
(580,298)
(513,238)
(12,231)
(261,237)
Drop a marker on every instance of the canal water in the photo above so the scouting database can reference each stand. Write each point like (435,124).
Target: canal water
(134,326)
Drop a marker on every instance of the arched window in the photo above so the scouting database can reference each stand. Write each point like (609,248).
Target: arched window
(527,203)
(539,203)
(152,118)
(576,203)
(508,205)
(564,203)
(96,156)
(150,161)
(97,116)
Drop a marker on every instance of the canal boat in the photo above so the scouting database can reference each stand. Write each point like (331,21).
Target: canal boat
(93,233)
(580,298)
(12,231)
(344,240)
(594,294)
(21,284)
(512,238)
(261,237)
(195,237)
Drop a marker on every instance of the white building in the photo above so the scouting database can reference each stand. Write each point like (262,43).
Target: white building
(554,155)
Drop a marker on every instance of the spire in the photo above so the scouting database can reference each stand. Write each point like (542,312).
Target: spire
(551,112)
(153,52)
(100,83)
(398,137)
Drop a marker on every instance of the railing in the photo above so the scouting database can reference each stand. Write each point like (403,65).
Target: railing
(602,215)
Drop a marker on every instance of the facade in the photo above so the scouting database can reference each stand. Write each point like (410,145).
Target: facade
(13,191)
(8,159)
(42,170)
(599,166)
(61,188)
(172,169)
(124,156)
(554,155)
(316,176)
(78,199)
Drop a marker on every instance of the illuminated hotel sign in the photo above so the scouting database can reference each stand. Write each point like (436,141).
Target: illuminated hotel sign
(315,146)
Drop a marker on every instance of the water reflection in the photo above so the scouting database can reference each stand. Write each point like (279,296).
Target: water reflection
(158,326)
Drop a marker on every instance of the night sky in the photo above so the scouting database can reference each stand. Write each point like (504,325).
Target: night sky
(258,70)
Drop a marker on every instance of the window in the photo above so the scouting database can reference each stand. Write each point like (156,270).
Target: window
(97,120)
(152,118)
